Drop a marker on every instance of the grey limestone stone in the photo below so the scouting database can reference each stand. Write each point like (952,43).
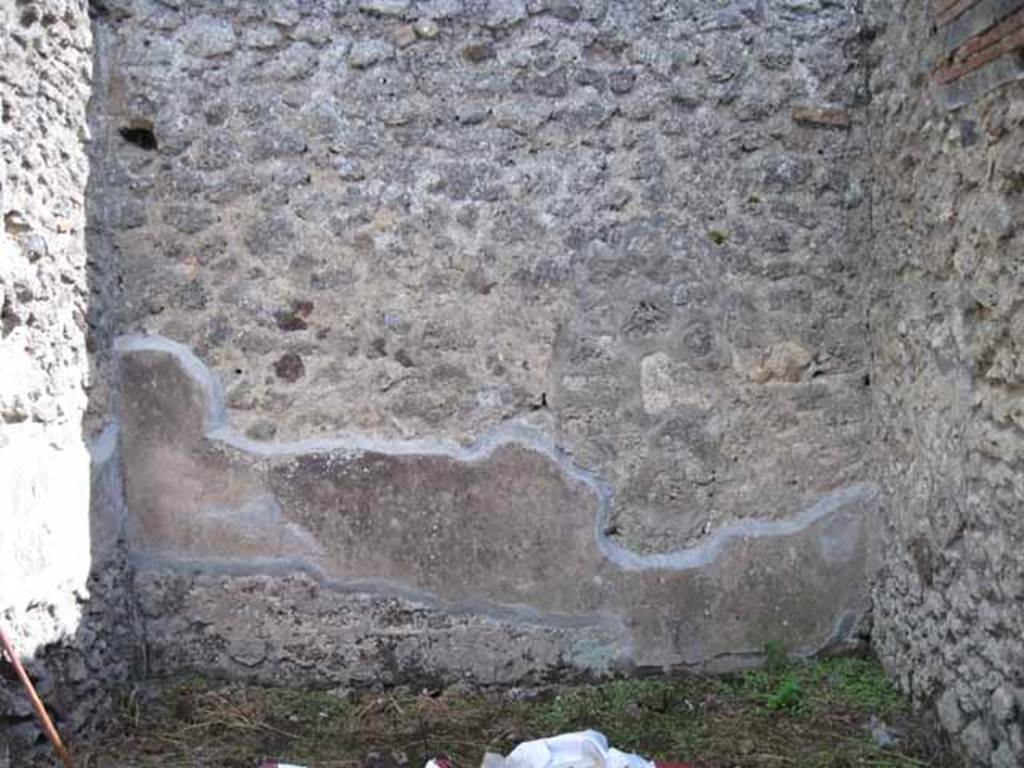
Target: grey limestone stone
(978,742)
(504,13)
(1004,757)
(366,53)
(950,713)
(207,37)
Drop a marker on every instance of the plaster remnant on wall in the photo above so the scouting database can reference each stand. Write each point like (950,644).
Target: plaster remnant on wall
(587,281)
(464,528)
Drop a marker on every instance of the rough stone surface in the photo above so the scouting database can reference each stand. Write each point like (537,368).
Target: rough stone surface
(946,377)
(602,216)
(220,624)
(44,466)
(69,628)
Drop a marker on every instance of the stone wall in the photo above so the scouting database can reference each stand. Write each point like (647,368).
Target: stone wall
(946,373)
(54,470)
(494,339)
(536,312)
(45,371)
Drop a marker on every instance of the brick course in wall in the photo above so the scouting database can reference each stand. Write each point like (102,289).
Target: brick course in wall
(979,46)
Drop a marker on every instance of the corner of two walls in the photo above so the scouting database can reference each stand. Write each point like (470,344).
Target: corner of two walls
(946,323)
(765,149)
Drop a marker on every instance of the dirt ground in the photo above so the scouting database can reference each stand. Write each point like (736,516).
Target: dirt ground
(831,713)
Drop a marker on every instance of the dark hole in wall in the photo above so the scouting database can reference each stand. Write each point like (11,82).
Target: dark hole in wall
(141,136)
(99,9)
(8,320)
(15,223)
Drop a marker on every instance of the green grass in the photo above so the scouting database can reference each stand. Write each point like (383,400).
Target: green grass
(809,715)
(787,696)
(852,684)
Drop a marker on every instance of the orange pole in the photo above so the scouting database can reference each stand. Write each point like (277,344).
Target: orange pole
(37,704)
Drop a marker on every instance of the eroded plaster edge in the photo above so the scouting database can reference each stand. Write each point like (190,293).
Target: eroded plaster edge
(104,445)
(710,548)
(518,614)
(700,555)
(285,566)
(107,510)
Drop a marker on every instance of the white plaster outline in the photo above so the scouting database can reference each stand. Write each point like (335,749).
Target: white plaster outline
(700,555)
(217,429)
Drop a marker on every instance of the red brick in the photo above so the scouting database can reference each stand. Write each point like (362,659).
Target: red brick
(1010,24)
(955,10)
(981,58)
(941,6)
